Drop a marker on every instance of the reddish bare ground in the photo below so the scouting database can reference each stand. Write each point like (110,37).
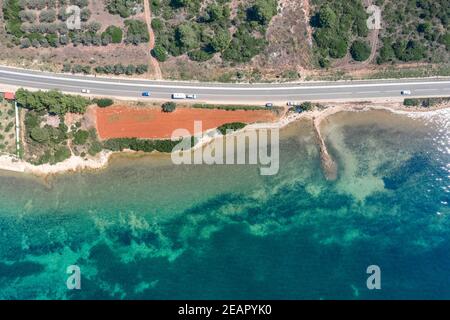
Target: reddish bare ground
(126,122)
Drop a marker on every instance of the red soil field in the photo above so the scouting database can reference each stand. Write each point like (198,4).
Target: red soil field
(127,122)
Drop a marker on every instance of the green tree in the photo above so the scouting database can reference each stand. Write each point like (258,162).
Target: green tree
(80,137)
(243,47)
(232,126)
(409,51)
(141,68)
(104,102)
(157,24)
(360,50)
(95,148)
(445,40)
(85,14)
(360,27)
(263,11)
(178,3)
(115,33)
(307,106)
(425,27)
(168,106)
(324,62)
(159,53)
(52,101)
(61,153)
(386,52)
(215,12)
(327,17)
(39,134)
(410,102)
(337,47)
(187,37)
(199,55)
(221,40)
(11,9)
(136,29)
(124,8)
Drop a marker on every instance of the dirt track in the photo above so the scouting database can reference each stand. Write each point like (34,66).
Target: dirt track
(148,19)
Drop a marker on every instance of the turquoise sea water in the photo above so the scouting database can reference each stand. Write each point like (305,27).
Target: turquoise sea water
(144,228)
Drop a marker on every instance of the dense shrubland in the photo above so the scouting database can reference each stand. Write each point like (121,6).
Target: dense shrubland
(204,31)
(415,31)
(412,30)
(337,24)
(47,141)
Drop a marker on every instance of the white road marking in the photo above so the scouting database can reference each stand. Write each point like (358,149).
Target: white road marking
(256,88)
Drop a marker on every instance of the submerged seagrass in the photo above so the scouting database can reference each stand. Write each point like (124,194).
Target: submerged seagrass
(144,228)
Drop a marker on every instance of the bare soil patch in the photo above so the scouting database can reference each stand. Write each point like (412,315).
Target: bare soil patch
(100,15)
(52,59)
(152,123)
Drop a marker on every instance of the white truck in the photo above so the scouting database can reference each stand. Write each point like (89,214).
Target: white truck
(178,96)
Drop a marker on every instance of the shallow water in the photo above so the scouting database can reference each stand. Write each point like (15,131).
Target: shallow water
(144,228)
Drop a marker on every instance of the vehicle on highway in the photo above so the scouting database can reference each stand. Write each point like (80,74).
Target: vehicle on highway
(293,103)
(405,92)
(146,94)
(269,105)
(191,96)
(178,96)
(85,91)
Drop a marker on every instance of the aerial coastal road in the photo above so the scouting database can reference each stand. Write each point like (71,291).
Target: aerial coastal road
(226,93)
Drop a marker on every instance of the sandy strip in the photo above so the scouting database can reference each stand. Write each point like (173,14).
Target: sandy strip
(74,163)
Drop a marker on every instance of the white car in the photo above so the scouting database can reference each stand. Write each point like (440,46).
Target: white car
(292,103)
(405,92)
(178,96)
(191,96)
(85,91)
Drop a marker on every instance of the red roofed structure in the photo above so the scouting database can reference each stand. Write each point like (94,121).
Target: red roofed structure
(9,95)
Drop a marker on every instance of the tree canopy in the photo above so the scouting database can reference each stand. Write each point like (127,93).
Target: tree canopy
(52,101)
(263,11)
(337,23)
(168,106)
(186,36)
(360,50)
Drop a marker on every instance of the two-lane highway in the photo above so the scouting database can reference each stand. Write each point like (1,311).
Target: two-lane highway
(232,93)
